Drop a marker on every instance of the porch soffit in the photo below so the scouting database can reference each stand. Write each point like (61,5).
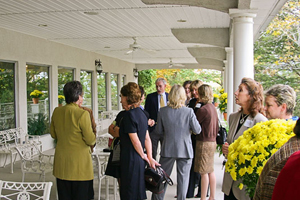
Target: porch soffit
(222,6)
(208,52)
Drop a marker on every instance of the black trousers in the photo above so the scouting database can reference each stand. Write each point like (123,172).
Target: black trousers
(75,190)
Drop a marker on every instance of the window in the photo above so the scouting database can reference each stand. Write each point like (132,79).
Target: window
(86,81)
(37,99)
(114,91)
(7,97)
(101,84)
(64,75)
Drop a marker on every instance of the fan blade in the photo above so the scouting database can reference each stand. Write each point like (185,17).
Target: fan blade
(129,52)
(150,51)
(178,65)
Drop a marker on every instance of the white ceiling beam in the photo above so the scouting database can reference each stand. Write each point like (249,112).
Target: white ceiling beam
(208,52)
(223,5)
(212,36)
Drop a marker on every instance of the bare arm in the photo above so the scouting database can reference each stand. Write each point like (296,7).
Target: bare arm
(113,130)
(148,146)
(138,146)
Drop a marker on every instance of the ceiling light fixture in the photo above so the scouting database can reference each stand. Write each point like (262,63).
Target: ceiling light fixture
(181,20)
(91,13)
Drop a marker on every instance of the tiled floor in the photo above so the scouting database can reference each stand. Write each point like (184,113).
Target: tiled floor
(171,190)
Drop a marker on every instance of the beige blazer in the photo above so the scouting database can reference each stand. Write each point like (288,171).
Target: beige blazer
(71,127)
(233,121)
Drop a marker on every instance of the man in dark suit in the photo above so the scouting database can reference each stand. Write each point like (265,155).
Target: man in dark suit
(154,102)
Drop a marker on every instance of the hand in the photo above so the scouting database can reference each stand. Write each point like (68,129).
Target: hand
(153,163)
(151,122)
(146,158)
(225,149)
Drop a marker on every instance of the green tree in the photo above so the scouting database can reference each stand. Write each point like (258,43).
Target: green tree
(277,52)
(178,76)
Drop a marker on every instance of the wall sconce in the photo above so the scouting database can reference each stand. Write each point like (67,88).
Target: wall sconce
(98,66)
(135,73)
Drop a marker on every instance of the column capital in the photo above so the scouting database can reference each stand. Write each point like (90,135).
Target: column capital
(245,13)
(228,49)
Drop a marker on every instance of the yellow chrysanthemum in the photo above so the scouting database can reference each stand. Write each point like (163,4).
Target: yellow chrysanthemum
(250,152)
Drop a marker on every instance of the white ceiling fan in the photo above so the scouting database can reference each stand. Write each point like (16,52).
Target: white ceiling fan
(135,47)
(171,64)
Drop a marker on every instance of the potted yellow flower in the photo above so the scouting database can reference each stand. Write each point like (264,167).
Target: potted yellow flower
(249,153)
(35,95)
(61,99)
(216,97)
(223,103)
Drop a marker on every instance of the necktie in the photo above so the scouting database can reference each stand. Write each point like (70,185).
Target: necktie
(162,102)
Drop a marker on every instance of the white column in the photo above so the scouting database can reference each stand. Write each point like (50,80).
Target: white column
(225,78)
(95,94)
(230,91)
(119,91)
(242,45)
(108,91)
(21,94)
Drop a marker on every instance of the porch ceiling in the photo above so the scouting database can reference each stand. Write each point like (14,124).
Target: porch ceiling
(108,27)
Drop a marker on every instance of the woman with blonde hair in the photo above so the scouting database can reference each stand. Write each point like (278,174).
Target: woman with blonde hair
(206,141)
(175,122)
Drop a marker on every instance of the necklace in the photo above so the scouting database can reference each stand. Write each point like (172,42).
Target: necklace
(243,117)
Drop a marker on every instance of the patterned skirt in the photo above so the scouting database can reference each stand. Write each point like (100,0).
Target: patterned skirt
(204,157)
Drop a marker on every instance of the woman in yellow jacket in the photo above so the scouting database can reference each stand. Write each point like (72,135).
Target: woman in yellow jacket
(71,127)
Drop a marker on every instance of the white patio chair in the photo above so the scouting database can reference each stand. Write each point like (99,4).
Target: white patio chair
(33,161)
(25,190)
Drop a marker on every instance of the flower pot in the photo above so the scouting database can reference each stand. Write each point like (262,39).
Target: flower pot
(216,104)
(225,116)
(35,100)
(60,104)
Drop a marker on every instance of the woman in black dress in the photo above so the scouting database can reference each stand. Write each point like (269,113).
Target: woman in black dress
(134,139)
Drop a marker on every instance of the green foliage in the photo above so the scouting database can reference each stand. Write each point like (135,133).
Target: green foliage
(37,79)
(178,76)
(7,82)
(147,80)
(37,126)
(64,76)
(277,51)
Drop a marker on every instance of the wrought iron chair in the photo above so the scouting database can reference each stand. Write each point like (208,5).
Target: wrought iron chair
(33,161)
(25,190)
(11,138)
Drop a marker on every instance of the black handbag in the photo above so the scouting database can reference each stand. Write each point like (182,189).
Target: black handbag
(221,135)
(155,180)
(116,154)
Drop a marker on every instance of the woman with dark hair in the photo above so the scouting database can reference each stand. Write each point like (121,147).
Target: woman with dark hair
(251,99)
(72,129)
(195,178)
(186,86)
(134,138)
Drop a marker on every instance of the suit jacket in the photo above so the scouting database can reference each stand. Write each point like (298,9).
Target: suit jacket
(268,177)
(151,106)
(71,127)
(233,121)
(175,125)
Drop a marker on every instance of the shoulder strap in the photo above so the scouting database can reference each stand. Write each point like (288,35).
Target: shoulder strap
(165,175)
